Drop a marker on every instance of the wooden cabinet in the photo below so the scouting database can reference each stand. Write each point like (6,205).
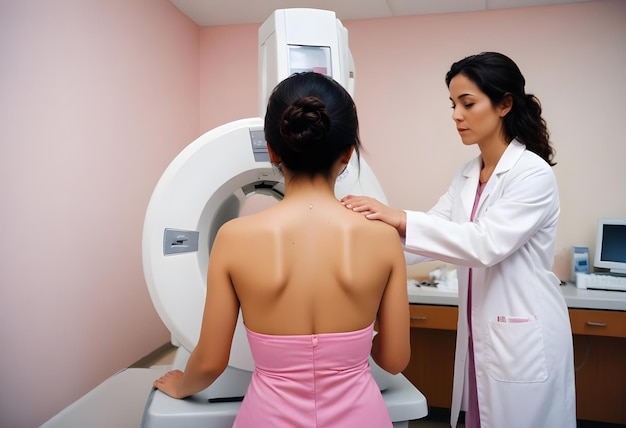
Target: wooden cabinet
(433,337)
(599,359)
(600,362)
(598,323)
(433,317)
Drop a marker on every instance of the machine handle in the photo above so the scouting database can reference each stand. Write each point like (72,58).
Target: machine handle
(596,324)
(412,318)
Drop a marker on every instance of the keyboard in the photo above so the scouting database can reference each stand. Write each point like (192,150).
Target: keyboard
(600,281)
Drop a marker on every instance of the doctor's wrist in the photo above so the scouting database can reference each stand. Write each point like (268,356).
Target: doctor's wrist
(402,224)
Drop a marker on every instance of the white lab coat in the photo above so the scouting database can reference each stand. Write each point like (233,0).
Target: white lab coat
(524,371)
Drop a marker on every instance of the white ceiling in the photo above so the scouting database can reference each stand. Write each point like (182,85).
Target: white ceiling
(227,12)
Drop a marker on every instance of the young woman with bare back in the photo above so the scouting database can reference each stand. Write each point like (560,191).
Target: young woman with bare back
(311,279)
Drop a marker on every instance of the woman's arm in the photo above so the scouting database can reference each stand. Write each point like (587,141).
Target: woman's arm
(391,347)
(210,356)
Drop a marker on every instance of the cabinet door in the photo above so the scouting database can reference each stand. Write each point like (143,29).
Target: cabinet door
(600,362)
(598,323)
(433,339)
(435,317)
(599,358)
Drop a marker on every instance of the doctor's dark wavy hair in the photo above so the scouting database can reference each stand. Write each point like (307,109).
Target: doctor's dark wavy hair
(310,122)
(498,76)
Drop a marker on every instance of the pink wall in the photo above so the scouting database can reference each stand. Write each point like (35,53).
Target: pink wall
(97,98)
(228,74)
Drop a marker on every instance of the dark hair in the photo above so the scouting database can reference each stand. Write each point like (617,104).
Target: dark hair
(310,122)
(498,77)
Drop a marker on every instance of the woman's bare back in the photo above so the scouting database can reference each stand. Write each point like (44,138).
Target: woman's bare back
(304,267)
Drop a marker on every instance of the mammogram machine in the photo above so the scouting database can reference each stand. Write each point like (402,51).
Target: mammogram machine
(206,185)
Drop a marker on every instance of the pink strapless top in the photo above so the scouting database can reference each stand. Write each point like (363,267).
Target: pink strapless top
(318,380)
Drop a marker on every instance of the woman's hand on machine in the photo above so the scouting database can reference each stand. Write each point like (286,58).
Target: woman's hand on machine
(168,383)
(376,210)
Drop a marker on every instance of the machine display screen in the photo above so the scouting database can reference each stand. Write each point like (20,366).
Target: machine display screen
(310,58)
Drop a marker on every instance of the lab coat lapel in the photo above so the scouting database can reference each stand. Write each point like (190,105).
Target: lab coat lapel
(468,192)
(509,158)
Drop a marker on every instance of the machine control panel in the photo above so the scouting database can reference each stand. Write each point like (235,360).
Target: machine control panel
(259,145)
(176,241)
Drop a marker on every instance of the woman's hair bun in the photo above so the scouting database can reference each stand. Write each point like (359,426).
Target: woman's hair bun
(305,124)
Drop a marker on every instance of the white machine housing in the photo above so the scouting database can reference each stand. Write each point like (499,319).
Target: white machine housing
(300,39)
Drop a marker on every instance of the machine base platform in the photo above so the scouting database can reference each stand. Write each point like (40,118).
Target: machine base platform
(128,400)
(404,401)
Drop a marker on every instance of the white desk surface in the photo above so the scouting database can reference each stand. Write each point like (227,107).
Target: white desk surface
(574,297)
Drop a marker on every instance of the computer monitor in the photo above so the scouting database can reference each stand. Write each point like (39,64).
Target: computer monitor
(611,245)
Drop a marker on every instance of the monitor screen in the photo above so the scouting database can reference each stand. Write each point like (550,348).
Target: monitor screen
(611,245)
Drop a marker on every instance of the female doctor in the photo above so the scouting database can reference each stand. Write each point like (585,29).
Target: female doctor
(497,222)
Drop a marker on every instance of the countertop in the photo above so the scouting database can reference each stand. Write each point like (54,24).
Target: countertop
(574,297)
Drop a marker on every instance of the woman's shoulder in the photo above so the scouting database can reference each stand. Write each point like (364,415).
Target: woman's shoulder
(277,218)
(519,155)
(375,230)
(531,163)
(533,174)
(241,227)
(519,162)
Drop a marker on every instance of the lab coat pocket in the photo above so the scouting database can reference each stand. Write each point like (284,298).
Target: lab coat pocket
(516,352)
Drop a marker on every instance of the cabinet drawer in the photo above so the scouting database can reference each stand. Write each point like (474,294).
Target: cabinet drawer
(435,317)
(598,323)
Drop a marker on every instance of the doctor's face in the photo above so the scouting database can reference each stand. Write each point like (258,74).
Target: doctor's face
(477,120)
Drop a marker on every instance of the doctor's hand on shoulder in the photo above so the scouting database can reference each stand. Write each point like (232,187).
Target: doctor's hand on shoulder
(373,209)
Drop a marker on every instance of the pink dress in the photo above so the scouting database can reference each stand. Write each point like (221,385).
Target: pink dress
(319,380)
